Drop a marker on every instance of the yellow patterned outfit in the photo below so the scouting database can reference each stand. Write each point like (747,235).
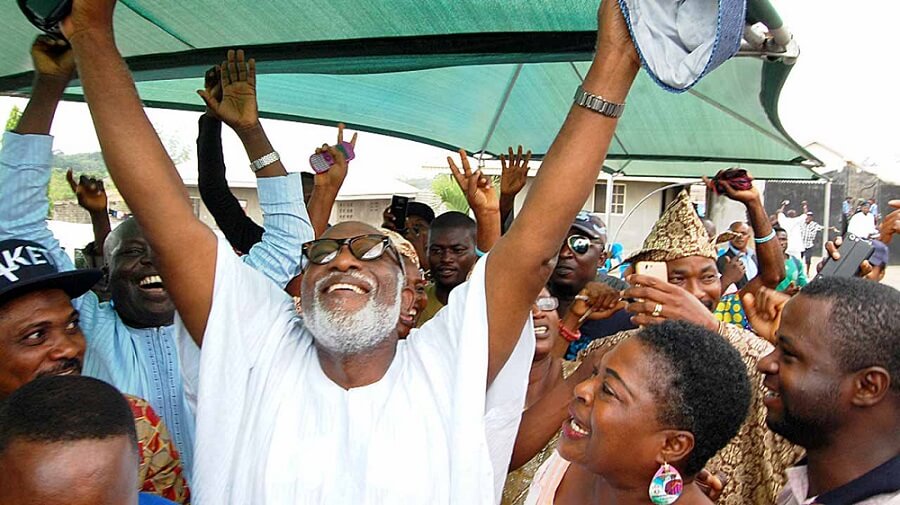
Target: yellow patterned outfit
(518,481)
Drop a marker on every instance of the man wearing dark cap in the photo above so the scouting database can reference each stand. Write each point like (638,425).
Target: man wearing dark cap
(581,255)
(419,217)
(40,337)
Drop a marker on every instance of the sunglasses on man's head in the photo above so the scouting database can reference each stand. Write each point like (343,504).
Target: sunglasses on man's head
(579,244)
(362,247)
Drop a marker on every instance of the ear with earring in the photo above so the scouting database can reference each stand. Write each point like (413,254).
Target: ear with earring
(666,485)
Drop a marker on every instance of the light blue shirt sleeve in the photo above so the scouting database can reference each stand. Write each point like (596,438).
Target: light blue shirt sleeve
(287,226)
(24,176)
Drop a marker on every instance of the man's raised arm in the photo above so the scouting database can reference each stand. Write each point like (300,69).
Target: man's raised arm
(519,264)
(138,162)
(27,152)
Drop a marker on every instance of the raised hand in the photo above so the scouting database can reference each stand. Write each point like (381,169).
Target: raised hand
(661,300)
(763,309)
(891,223)
(389,221)
(831,247)
(212,83)
(90,192)
(734,271)
(335,175)
(595,301)
(743,196)
(237,107)
(478,189)
(612,31)
(88,16)
(53,58)
(513,172)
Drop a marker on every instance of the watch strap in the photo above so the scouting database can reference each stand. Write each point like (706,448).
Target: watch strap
(597,103)
(261,163)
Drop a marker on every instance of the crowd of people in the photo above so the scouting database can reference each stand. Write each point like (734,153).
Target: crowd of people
(442,359)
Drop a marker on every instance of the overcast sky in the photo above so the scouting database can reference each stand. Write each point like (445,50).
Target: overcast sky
(843,93)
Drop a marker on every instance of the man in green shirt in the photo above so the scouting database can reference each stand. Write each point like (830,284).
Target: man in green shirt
(794,271)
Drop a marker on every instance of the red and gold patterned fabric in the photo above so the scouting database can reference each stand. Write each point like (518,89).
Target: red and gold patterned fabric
(160,472)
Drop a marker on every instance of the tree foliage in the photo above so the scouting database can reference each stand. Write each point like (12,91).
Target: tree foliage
(446,188)
(14,115)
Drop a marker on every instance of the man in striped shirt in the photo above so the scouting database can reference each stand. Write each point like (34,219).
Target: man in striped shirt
(809,232)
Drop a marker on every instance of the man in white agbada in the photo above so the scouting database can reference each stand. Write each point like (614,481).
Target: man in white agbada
(335,409)
(793,225)
(862,224)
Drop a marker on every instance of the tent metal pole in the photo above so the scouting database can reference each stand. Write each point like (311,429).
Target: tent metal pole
(609,196)
(827,220)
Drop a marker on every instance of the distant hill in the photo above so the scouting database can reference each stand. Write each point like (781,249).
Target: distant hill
(90,164)
(81,163)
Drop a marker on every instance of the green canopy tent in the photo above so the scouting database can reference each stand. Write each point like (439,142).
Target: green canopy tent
(477,74)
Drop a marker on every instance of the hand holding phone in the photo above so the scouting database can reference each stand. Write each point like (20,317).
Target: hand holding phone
(399,209)
(321,162)
(852,253)
(655,269)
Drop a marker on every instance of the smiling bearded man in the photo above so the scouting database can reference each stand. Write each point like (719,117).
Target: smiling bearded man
(284,414)
(344,330)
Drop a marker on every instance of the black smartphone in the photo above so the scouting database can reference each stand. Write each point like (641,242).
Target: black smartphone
(46,14)
(399,207)
(853,252)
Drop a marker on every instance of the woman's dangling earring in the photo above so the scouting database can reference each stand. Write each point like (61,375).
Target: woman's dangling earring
(666,485)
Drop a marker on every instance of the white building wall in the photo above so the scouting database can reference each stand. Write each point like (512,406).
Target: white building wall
(632,235)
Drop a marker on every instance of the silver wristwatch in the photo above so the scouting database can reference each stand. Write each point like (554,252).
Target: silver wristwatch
(261,163)
(598,103)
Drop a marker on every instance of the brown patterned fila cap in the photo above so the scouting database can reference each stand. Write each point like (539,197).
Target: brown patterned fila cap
(678,233)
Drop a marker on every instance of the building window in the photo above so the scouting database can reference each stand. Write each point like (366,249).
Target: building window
(376,207)
(618,198)
(345,211)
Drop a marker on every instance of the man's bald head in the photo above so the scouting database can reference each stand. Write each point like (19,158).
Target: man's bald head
(349,229)
(128,229)
(137,291)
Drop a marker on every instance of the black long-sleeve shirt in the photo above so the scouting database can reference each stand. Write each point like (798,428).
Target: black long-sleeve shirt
(240,231)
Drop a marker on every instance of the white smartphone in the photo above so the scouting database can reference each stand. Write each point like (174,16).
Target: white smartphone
(656,269)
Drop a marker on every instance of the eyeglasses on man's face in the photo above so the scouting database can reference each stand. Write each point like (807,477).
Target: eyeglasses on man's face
(368,247)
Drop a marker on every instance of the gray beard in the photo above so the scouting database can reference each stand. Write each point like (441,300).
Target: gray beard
(350,333)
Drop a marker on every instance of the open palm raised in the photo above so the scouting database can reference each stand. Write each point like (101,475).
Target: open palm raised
(237,107)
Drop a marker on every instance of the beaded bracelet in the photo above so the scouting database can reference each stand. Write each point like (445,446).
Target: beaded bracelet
(569,335)
(765,239)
